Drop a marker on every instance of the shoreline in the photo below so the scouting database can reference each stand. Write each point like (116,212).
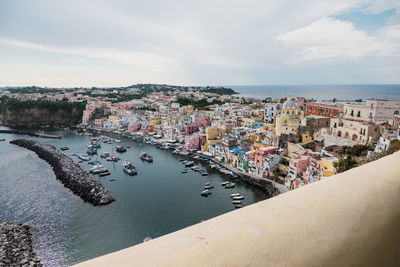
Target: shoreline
(33,134)
(70,174)
(271,188)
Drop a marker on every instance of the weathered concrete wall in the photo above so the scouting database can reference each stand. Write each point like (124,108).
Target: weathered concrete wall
(351,219)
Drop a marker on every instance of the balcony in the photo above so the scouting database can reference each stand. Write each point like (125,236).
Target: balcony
(350,219)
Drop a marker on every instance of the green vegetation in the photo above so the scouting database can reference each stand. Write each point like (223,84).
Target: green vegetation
(75,109)
(358,150)
(200,104)
(32,90)
(394,146)
(345,164)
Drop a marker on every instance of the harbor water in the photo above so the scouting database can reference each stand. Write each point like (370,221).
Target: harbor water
(158,200)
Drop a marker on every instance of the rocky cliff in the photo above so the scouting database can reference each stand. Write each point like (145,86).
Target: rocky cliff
(16,113)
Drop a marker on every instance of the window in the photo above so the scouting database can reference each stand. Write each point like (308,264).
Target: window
(396,112)
(358,114)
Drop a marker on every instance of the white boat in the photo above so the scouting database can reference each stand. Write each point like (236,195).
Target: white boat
(236,202)
(225,183)
(205,192)
(83,157)
(238,198)
(235,195)
(129,168)
(230,185)
(208,186)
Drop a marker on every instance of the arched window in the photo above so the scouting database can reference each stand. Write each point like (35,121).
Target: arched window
(396,112)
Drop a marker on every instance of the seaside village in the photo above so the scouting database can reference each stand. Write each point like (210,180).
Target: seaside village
(293,141)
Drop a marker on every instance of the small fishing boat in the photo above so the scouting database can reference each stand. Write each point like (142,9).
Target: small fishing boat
(91,151)
(83,157)
(235,195)
(120,149)
(62,148)
(104,174)
(208,186)
(99,170)
(225,183)
(129,168)
(238,206)
(236,202)
(230,185)
(146,157)
(238,197)
(203,173)
(105,155)
(205,192)
(94,162)
(184,171)
(189,164)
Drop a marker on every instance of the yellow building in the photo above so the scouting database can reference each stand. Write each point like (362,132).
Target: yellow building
(289,118)
(248,122)
(326,166)
(213,136)
(114,118)
(308,137)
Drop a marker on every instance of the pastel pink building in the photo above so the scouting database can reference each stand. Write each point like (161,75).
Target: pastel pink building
(134,127)
(99,122)
(262,152)
(192,142)
(203,121)
(379,110)
(191,128)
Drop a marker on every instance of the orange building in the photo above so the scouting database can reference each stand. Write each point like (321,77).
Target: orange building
(324,110)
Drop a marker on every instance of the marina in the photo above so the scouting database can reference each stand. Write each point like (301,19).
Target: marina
(125,222)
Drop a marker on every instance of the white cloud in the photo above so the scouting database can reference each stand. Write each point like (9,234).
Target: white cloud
(329,38)
(202,42)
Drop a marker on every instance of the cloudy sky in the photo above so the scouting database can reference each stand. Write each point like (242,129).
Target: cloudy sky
(207,42)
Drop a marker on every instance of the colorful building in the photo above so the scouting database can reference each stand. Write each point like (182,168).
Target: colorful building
(321,109)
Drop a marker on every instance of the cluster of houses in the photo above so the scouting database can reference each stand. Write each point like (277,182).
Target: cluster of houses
(290,140)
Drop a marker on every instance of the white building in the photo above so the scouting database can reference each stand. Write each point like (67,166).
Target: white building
(269,112)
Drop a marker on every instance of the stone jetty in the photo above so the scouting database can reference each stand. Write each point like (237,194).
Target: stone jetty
(69,173)
(16,245)
(33,134)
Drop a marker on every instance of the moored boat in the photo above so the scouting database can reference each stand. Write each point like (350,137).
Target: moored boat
(205,192)
(146,157)
(230,185)
(62,148)
(120,149)
(129,168)
(225,183)
(236,202)
(238,197)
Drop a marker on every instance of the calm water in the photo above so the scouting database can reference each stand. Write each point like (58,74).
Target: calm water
(322,92)
(159,200)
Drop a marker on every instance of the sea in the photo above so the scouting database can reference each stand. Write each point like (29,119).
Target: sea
(322,92)
(159,200)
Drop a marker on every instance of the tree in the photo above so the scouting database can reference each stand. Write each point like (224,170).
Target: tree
(345,164)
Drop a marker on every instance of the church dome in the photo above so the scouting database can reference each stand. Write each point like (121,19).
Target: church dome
(289,103)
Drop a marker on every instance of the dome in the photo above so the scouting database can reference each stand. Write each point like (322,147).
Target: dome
(289,103)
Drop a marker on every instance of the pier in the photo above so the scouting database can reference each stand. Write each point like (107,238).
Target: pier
(69,173)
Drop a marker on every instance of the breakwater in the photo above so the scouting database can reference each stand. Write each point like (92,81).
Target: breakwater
(16,245)
(33,134)
(69,173)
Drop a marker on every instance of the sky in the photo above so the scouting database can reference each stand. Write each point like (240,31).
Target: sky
(207,42)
